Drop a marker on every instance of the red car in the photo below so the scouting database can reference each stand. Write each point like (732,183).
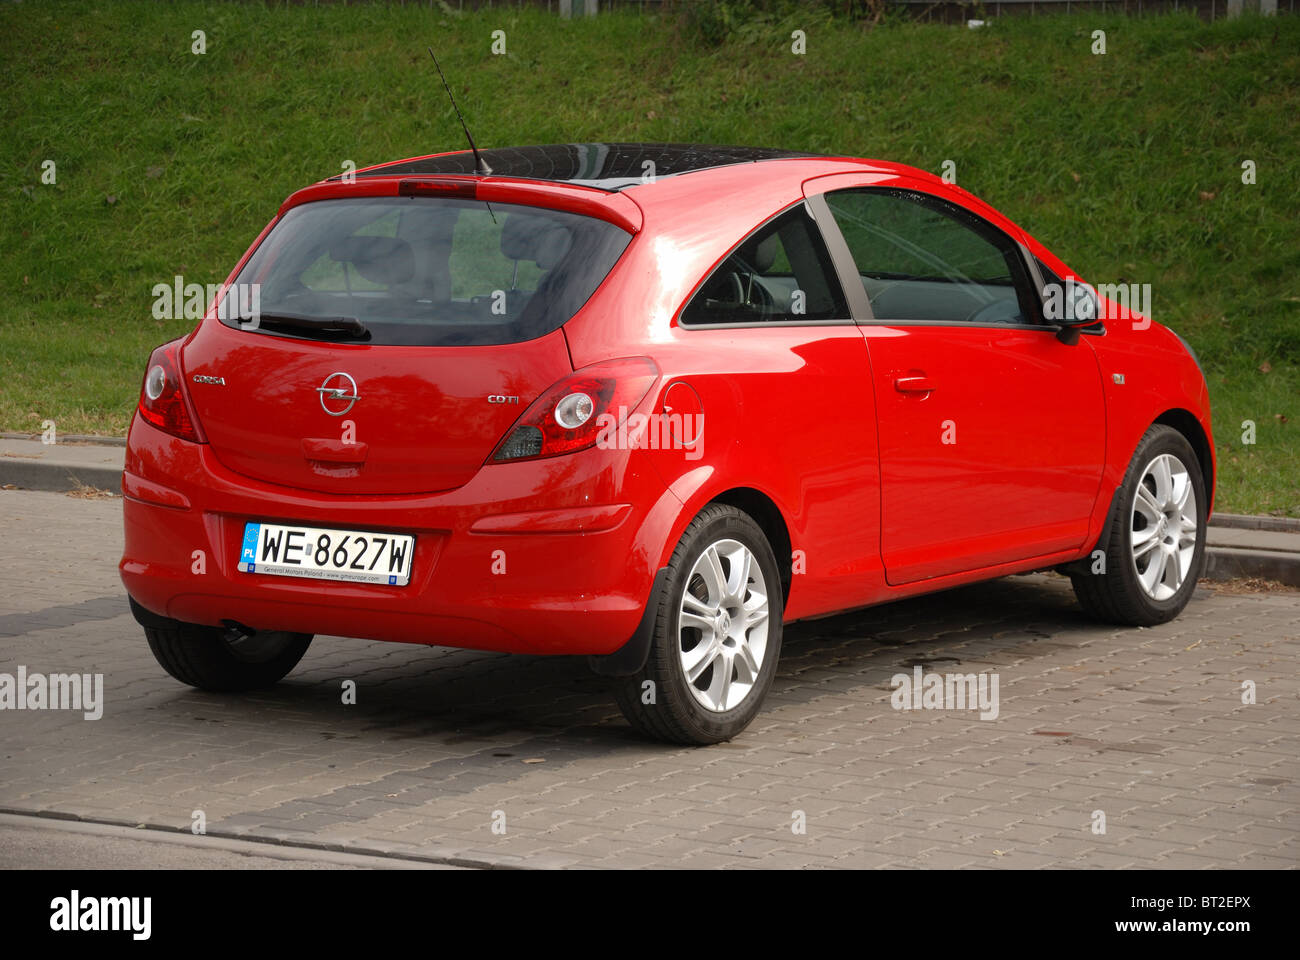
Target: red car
(646,403)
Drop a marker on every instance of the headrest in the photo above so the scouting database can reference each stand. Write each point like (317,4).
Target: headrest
(537,239)
(765,253)
(382,260)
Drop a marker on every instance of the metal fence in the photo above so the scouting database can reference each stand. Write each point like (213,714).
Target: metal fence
(938,10)
(956,10)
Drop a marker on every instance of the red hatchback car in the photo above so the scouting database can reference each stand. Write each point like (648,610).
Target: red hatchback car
(646,403)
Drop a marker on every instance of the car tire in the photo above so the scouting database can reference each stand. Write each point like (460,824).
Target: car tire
(224,660)
(1149,527)
(724,691)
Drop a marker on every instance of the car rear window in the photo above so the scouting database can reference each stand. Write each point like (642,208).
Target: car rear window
(428,271)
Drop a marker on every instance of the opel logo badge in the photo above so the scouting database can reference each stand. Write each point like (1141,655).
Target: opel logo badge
(337,394)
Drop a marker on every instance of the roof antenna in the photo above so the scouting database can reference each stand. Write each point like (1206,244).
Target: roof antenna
(480,165)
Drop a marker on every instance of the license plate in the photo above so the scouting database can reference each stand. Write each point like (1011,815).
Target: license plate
(326,554)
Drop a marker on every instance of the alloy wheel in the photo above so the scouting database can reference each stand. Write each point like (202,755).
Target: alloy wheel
(723,625)
(1164,527)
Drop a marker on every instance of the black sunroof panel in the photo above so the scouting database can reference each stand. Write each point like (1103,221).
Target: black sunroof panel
(606,165)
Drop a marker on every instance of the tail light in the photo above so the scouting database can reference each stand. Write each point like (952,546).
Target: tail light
(572,414)
(162,396)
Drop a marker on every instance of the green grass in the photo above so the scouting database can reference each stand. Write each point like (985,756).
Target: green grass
(1127,165)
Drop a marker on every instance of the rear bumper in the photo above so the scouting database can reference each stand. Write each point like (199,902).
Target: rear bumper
(544,557)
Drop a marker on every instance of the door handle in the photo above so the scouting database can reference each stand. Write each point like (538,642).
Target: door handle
(333,451)
(913,385)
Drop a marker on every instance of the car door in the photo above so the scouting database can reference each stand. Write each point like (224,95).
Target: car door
(991,430)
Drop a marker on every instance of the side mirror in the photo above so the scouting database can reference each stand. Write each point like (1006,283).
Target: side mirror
(1072,305)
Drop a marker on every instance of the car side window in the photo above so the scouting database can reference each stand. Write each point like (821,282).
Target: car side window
(925,259)
(781,273)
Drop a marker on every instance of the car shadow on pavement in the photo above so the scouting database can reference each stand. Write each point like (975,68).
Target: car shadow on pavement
(431,722)
(472,699)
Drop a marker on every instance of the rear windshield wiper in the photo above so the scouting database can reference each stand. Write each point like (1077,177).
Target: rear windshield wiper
(297,321)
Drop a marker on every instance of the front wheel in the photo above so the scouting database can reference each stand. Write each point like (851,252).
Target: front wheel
(717,634)
(1155,549)
(225,660)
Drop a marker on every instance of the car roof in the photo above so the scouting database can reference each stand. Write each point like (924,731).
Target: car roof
(605,166)
(613,181)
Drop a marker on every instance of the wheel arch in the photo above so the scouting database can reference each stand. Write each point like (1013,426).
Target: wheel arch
(631,657)
(1176,418)
(1185,422)
(768,516)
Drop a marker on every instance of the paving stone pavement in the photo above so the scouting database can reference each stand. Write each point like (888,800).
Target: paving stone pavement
(1146,726)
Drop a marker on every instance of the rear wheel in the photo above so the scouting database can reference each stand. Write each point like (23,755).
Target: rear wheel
(225,660)
(717,634)
(1155,549)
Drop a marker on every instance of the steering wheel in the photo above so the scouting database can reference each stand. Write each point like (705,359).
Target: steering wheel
(742,290)
(756,296)
(732,294)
